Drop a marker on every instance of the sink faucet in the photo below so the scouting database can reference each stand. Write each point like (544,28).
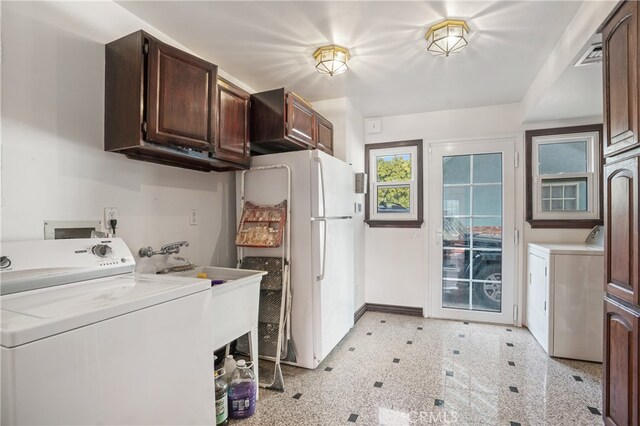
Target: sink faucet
(171,248)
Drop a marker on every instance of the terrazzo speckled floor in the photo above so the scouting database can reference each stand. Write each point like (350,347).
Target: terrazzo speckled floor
(401,370)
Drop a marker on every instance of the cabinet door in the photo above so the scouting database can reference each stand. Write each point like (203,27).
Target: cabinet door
(180,97)
(324,134)
(621,345)
(622,247)
(300,120)
(232,133)
(620,67)
(537,292)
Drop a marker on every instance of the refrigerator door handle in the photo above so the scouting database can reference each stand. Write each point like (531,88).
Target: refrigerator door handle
(319,161)
(323,260)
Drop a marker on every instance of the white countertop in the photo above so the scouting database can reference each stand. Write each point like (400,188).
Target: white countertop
(569,248)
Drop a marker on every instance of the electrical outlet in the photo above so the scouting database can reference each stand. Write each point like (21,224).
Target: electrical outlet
(110,213)
(193,217)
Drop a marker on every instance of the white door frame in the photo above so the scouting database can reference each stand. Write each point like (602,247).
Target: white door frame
(510,255)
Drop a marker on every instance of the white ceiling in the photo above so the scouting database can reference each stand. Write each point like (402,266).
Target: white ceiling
(270,44)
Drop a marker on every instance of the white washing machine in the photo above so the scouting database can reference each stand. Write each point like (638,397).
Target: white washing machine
(565,294)
(86,341)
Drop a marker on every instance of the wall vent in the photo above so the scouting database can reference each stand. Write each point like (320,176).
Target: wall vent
(593,55)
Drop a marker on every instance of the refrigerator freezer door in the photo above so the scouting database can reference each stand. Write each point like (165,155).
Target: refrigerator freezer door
(332,186)
(333,295)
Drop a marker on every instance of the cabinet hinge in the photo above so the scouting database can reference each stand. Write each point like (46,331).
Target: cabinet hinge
(144,126)
(515,314)
(545,271)
(516,160)
(545,306)
(145,48)
(516,236)
(430,150)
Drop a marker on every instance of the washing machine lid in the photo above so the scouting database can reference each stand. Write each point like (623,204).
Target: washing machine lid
(570,248)
(38,314)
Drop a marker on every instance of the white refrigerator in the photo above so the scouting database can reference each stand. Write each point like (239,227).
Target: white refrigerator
(322,245)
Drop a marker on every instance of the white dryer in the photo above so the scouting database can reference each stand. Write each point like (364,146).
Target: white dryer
(89,342)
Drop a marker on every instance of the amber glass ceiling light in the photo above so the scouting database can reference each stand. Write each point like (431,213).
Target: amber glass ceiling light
(331,60)
(447,37)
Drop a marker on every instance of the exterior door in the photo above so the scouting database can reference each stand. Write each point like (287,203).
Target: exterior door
(472,224)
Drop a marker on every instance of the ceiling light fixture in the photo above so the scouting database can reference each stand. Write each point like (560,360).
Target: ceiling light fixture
(331,59)
(447,37)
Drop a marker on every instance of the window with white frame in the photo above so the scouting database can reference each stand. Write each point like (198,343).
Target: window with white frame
(564,177)
(394,198)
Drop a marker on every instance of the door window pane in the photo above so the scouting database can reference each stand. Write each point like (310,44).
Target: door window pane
(487,296)
(455,294)
(455,232)
(456,169)
(487,200)
(566,157)
(455,263)
(487,168)
(393,168)
(487,232)
(457,200)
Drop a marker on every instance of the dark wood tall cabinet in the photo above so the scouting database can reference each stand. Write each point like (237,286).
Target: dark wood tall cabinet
(621,66)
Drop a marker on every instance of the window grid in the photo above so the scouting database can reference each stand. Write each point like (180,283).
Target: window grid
(566,202)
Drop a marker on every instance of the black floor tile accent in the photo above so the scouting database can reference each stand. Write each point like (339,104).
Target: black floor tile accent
(449,373)
(465,323)
(396,360)
(594,411)
(352,349)
(511,363)
(377,385)
(383,321)
(419,328)
(456,352)
(297,396)
(510,345)
(369,334)
(409,342)
(352,418)
(514,424)
(460,335)
(328,369)
(439,403)
(578,378)
(508,329)
(513,389)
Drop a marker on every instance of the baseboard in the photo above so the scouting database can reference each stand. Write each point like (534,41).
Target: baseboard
(359,313)
(389,309)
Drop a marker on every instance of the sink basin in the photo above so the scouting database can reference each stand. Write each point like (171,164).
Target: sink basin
(235,302)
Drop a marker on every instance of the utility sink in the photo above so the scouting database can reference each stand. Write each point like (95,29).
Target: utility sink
(235,302)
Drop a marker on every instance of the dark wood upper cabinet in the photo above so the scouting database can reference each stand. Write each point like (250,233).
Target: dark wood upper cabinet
(620,66)
(621,221)
(621,371)
(282,121)
(161,105)
(324,134)
(232,135)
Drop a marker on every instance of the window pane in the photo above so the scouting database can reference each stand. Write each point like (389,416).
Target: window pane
(455,232)
(393,168)
(393,199)
(487,168)
(456,201)
(455,294)
(456,169)
(564,194)
(487,200)
(487,296)
(455,263)
(487,232)
(566,157)
(487,268)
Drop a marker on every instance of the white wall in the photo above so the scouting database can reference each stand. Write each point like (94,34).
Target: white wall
(348,140)
(396,258)
(53,163)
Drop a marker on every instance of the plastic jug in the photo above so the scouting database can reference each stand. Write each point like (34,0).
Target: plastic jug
(242,391)
(222,410)
(229,367)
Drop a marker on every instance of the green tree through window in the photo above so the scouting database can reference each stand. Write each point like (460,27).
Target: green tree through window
(396,169)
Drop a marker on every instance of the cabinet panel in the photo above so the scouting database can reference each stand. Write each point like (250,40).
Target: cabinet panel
(181,97)
(232,134)
(324,134)
(620,66)
(621,370)
(622,247)
(300,120)
(537,295)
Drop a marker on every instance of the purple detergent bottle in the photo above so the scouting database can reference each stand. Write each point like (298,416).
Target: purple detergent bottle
(242,392)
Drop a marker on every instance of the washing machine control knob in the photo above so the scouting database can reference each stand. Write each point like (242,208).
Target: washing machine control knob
(5,262)
(102,250)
